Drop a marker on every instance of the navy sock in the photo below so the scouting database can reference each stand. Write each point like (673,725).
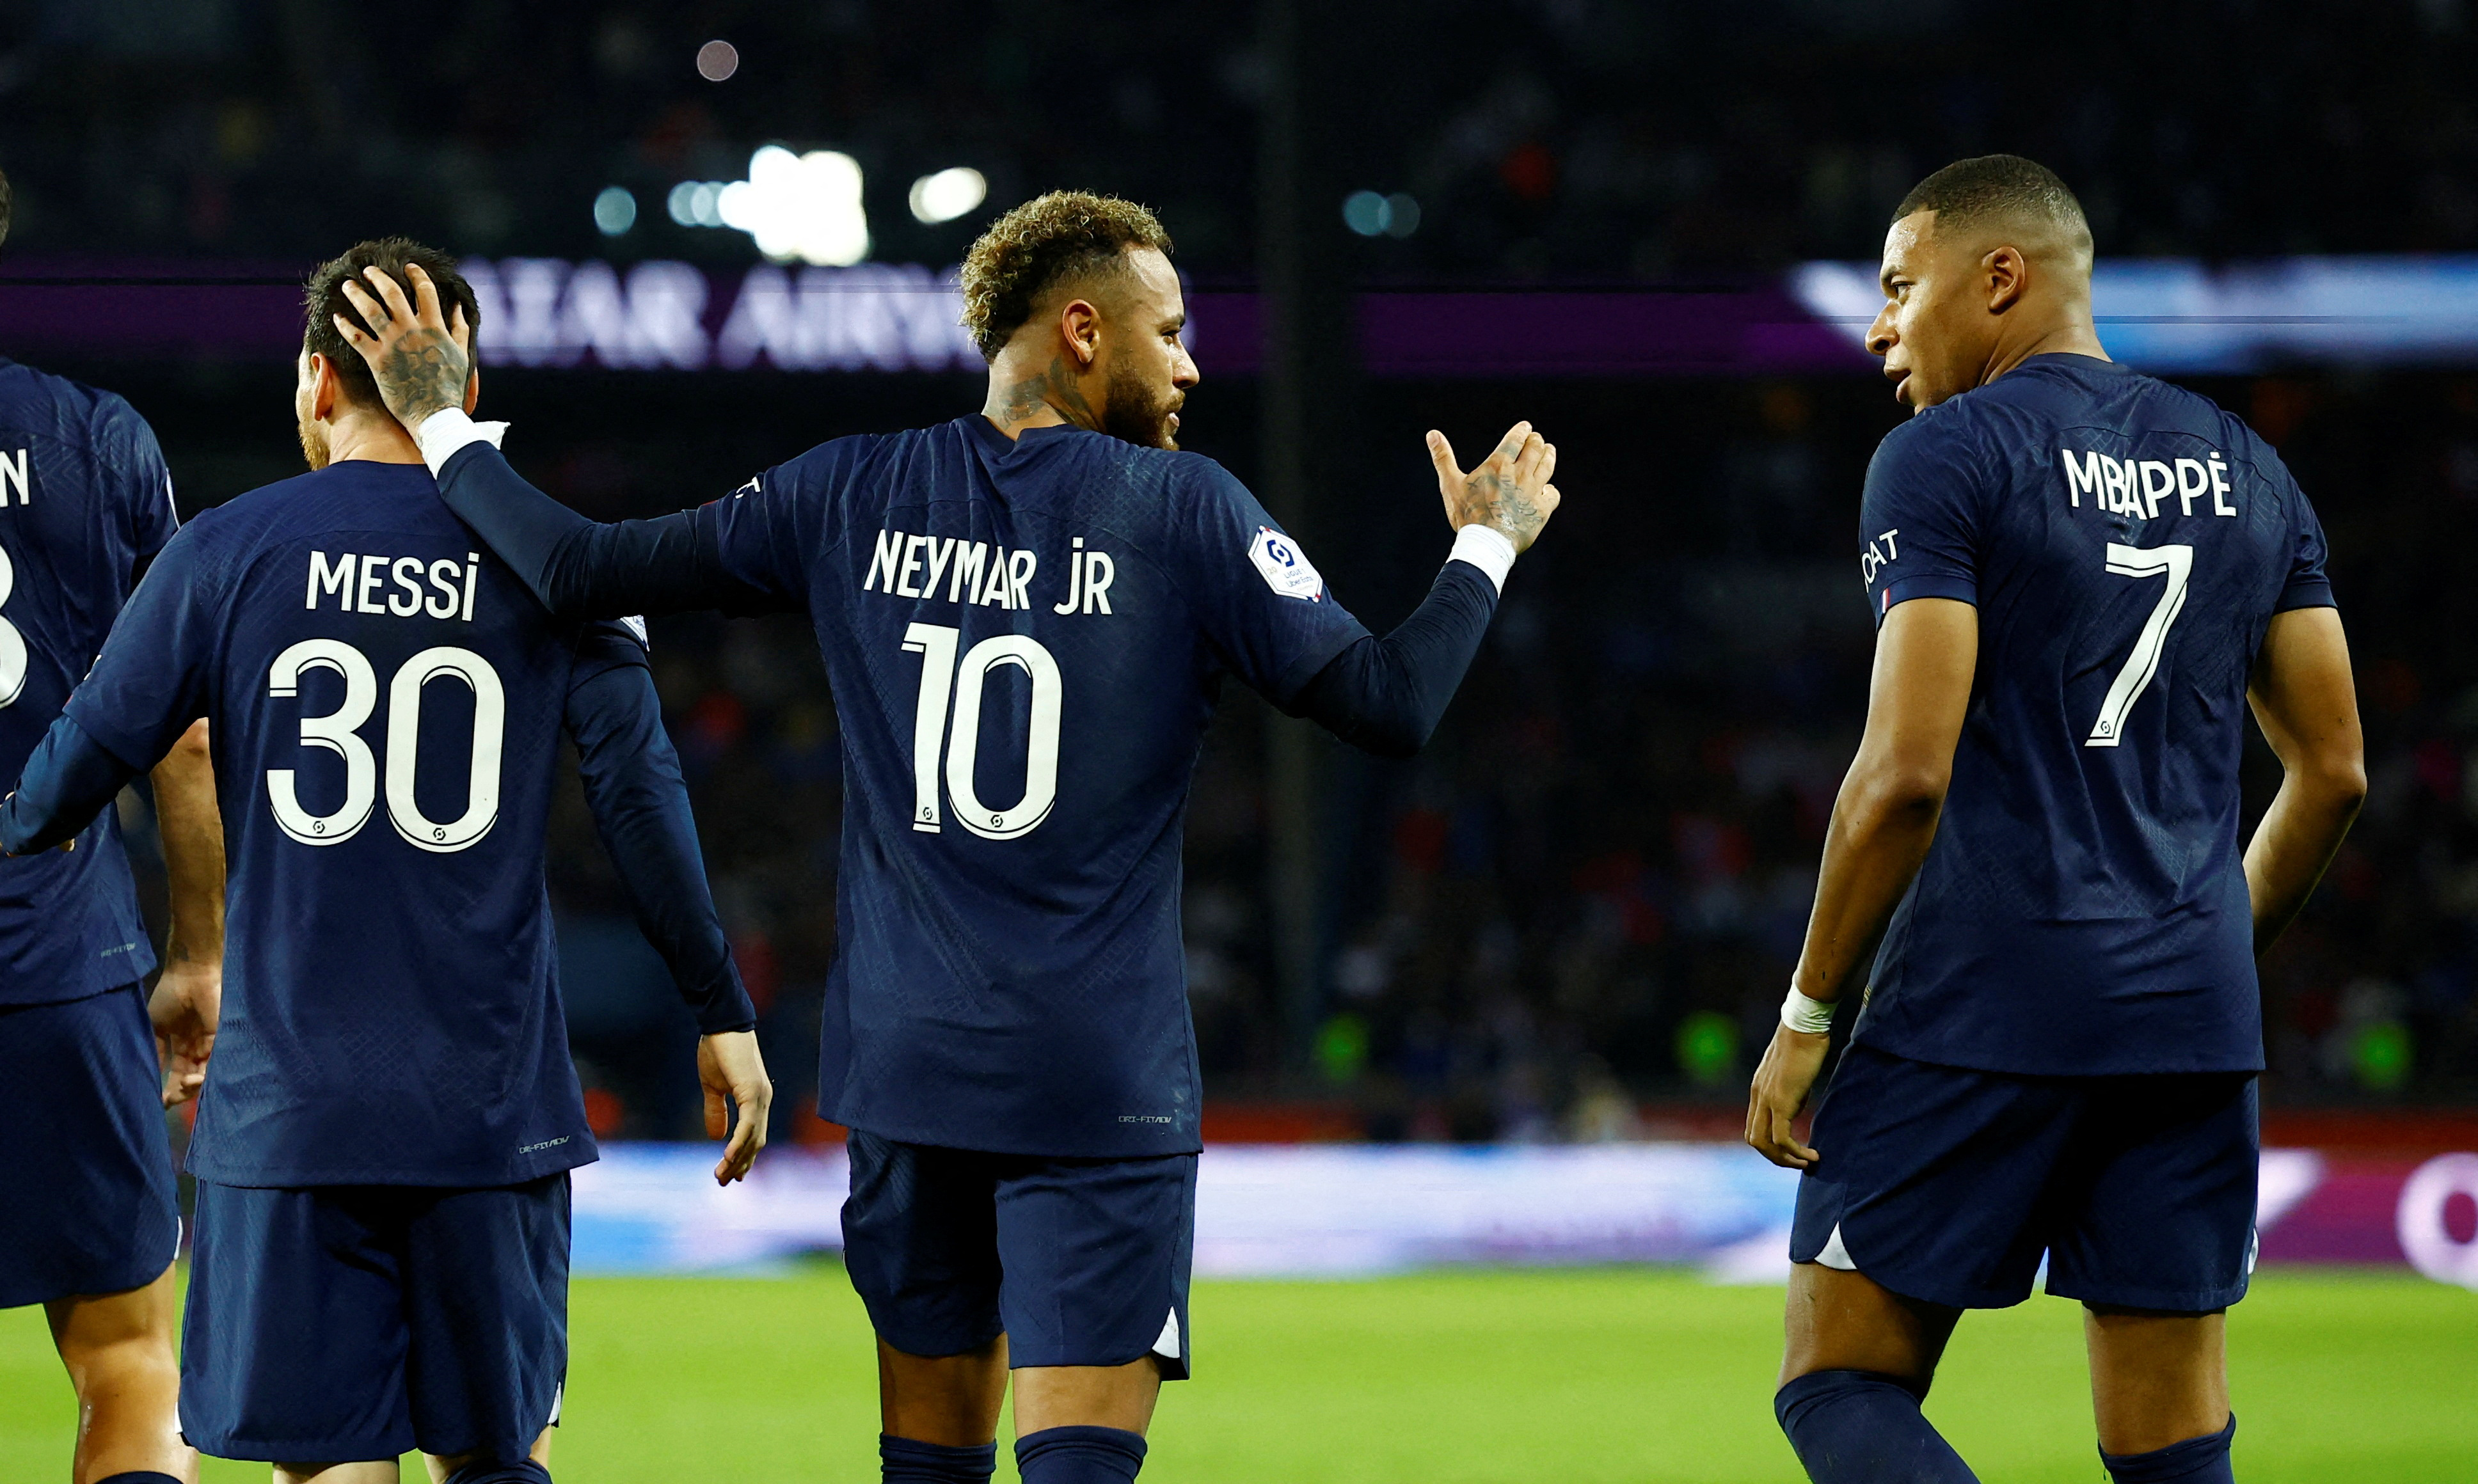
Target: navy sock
(2203,1460)
(524,1471)
(1079,1455)
(1860,1427)
(903,1460)
(140,1476)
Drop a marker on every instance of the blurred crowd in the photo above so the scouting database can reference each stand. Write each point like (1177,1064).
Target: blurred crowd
(1599,138)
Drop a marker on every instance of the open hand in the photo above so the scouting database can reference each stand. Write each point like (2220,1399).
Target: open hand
(1509,493)
(1783,1080)
(188,1001)
(733,1075)
(422,360)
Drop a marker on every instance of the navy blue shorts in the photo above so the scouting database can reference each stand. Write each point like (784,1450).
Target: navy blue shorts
(86,1172)
(344,1324)
(1947,1185)
(1079,1262)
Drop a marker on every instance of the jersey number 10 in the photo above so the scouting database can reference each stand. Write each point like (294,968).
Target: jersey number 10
(338,731)
(942,679)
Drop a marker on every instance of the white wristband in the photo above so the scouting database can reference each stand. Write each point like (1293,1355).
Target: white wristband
(1486,548)
(1807,1016)
(448,429)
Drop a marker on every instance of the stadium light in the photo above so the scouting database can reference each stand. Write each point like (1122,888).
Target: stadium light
(615,211)
(1371,214)
(804,208)
(716,60)
(947,194)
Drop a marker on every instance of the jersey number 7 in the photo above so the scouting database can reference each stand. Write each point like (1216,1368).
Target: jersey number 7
(942,679)
(2177,563)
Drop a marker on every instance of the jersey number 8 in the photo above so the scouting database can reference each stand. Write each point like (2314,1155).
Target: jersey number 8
(941,678)
(338,731)
(12,644)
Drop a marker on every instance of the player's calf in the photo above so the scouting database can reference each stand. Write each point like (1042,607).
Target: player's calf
(118,1351)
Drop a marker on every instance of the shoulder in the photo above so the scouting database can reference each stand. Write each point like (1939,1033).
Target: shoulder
(1946,442)
(71,409)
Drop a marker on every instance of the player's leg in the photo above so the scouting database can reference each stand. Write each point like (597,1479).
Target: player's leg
(88,1222)
(1927,1199)
(485,1304)
(1095,1255)
(293,1345)
(921,1243)
(2161,1244)
(120,1356)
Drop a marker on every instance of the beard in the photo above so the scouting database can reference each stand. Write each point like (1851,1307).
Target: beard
(1140,409)
(313,443)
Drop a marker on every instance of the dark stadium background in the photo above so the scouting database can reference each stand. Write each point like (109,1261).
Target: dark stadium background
(1576,909)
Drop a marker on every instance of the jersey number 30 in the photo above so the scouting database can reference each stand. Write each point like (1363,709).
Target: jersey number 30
(338,731)
(941,679)
(2176,564)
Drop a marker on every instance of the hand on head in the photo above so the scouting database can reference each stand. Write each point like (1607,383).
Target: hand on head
(421,358)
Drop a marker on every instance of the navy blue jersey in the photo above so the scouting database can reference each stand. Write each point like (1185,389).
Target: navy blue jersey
(84,501)
(386,709)
(1026,639)
(2084,907)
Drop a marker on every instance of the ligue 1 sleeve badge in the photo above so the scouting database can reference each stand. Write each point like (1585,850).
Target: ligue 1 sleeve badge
(1284,566)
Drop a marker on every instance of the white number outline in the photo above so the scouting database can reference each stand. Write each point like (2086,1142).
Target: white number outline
(2177,563)
(338,731)
(404,749)
(945,684)
(12,644)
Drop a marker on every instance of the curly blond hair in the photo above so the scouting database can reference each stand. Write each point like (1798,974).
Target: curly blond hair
(1029,250)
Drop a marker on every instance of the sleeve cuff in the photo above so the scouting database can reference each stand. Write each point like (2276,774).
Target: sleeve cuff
(2309,592)
(1927,584)
(449,429)
(1487,549)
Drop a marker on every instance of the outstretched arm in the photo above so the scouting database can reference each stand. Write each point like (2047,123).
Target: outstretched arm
(422,362)
(188,995)
(69,779)
(1386,696)
(641,806)
(1882,822)
(2307,703)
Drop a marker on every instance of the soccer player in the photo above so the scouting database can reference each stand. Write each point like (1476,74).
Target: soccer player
(2082,577)
(385,1136)
(1026,616)
(88,1225)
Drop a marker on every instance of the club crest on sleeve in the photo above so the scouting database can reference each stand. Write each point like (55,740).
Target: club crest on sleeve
(1284,566)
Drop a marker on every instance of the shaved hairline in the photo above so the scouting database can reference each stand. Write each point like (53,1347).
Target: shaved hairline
(2039,236)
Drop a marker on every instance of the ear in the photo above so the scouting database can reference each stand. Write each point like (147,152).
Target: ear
(323,387)
(1080,325)
(2008,277)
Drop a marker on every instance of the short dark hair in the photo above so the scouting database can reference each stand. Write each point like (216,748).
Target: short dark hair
(8,205)
(324,298)
(1032,248)
(1989,186)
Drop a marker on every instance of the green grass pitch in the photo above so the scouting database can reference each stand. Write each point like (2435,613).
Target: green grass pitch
(1588,1377)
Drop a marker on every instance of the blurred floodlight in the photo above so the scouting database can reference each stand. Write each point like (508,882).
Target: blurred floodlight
(716,60)
(947,194)
(1402,215)
(681,203)
(1365,213)
(615,211)
(804,207)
